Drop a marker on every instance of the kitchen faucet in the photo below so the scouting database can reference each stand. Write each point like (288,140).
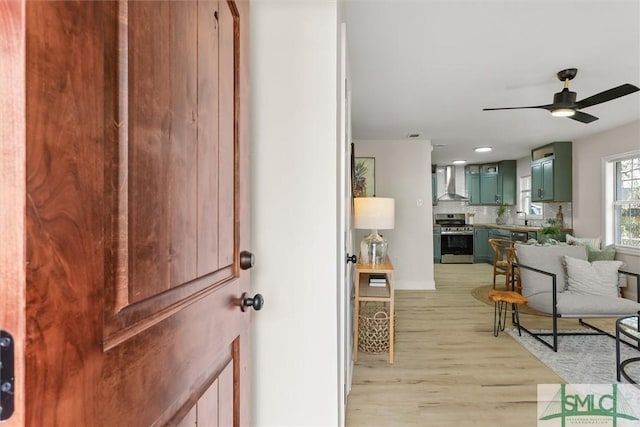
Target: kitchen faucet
(526,221)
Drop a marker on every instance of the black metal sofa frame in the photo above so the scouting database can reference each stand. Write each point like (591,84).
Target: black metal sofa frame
(555,333)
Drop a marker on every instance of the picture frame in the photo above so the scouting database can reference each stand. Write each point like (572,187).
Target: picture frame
(364,177)
(353,171)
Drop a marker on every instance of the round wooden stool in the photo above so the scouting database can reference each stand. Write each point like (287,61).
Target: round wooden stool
(501,299)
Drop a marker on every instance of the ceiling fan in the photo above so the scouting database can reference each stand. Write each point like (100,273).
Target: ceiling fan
(565,104)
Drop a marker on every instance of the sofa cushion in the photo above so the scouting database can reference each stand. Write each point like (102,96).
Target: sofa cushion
(608,253)
(546,258)
(570,304)
(592,242)
(578,305)
(592,278)
(541,301)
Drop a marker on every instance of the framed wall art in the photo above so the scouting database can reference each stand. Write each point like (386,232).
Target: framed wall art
(364,177)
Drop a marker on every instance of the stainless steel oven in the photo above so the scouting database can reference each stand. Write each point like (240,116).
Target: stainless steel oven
(456,239)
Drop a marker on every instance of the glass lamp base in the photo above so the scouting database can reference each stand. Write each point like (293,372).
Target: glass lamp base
(373,249)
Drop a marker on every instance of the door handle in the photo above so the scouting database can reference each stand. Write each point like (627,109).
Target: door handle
(256,302)
(247,260)
(352,259)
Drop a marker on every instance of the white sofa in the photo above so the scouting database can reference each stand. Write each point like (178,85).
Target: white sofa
(549,289)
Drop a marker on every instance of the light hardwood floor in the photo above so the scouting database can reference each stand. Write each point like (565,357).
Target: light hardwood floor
(449,369)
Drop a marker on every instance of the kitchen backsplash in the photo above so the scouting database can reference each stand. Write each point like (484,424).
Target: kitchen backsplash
(487,214)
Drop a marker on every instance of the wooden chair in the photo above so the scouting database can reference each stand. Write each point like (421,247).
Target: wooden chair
(512,258)
(501,259)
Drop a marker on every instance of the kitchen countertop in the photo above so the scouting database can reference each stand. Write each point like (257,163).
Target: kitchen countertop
(516,227)
(510,227)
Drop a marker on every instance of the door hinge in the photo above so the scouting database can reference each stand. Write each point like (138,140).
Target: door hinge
(7,380)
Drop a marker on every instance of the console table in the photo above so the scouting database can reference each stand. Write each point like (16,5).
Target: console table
(384,294)
(628,326)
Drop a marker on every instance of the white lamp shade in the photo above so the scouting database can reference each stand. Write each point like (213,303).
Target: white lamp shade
(374,213)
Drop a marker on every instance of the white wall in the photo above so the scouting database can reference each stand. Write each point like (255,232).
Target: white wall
(587,179)
(294,205)
(587,173)
(403,171)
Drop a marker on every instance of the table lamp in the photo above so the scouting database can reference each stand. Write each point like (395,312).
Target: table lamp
(374,213)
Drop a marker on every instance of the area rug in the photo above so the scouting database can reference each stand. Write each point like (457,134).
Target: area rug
(481,293)
(581,359)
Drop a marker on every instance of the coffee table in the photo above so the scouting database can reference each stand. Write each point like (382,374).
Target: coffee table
(628,326)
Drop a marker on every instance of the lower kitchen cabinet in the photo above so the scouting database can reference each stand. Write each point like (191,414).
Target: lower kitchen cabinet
(481,248)
(499,233)
(437,241)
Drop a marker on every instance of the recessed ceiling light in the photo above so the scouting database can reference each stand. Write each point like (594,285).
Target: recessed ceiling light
(483,149)
(459,162)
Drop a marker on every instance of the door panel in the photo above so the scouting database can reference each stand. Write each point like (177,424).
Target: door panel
(160,194)
(208,138)
(137,209)
(488,189)
(183,142)
(537,182)
(226,229)
(473,182)
(547,180)
(162,144)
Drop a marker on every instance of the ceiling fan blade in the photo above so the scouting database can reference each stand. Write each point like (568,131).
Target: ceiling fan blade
(583,117)
(546,107)
(607,95)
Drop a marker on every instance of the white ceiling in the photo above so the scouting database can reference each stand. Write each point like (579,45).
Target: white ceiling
(431,66)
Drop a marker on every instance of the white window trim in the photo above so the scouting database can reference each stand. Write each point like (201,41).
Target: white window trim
(520,205)
(608,191)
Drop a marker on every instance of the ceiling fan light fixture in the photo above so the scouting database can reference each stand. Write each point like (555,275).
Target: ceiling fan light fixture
(565,104)
(563,112)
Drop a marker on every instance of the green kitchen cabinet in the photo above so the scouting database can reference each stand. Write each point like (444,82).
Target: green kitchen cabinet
(472,175)
(492,183)
(437,240)
(551,173)
(489,188)
(481,247)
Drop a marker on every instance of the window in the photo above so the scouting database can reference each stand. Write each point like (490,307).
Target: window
(532,209)
(623,200)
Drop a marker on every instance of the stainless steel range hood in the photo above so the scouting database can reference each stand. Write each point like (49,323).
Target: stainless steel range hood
(451,192)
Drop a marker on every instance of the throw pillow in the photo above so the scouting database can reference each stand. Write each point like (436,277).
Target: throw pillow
(592,242)
(546,258)
(592,278)
(606,254)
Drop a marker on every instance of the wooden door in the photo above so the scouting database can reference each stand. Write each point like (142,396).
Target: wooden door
(135,195)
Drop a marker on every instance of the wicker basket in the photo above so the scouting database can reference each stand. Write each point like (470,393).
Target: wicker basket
(373,328)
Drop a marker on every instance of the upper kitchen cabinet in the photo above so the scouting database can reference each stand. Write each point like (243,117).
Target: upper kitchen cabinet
(551,173)
(492,183)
